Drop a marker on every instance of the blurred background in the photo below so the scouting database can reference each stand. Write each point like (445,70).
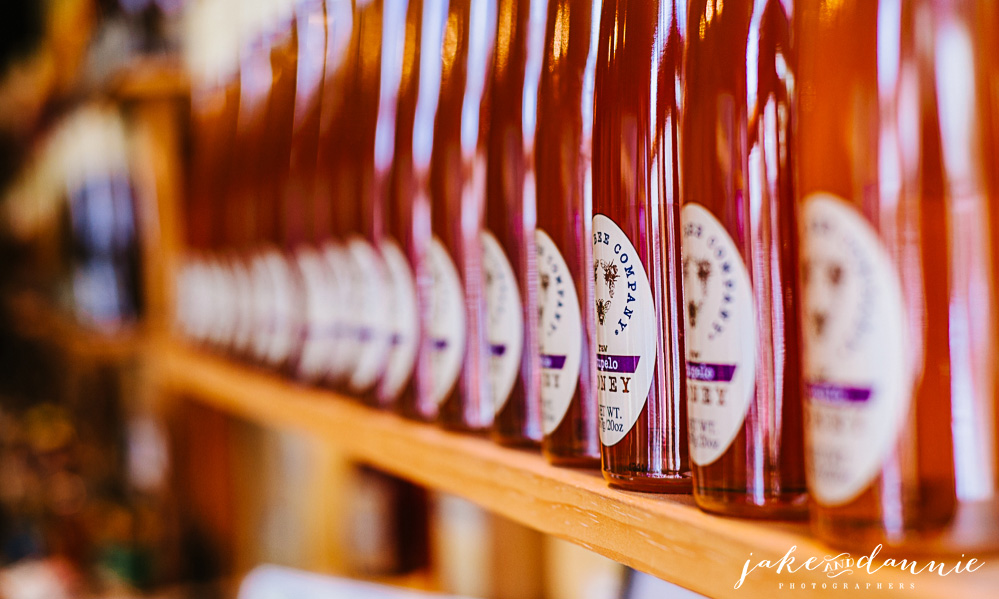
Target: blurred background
(108,490)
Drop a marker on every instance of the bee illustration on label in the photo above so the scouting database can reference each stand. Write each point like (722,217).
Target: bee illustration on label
(823,280)
(602,307)
(696,274)
(610,277)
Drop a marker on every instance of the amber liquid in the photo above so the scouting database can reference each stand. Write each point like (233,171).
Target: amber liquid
(937,488)
(635,183)
(510,211)
(408,211)
(563,152)
(457,212)
(213,127)
(728,120)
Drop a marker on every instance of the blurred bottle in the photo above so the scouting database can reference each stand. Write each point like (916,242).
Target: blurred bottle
(276,288)
(325,224)
(509,259)
(316,296)
(740,244)
(212,55)
(357,206)
(408,206)
(246,183)
(636,246)
(457,184)
(402,308)
(388,524)
(564,234)
(106,268)
(900,288)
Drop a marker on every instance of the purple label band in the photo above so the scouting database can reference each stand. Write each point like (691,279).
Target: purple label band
(710,373)
(439,344)
(315,332)
(497,349)
(552,362)
(396,339)
(832,392)
(621,364)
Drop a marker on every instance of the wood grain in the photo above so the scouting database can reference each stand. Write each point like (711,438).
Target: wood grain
(666,536)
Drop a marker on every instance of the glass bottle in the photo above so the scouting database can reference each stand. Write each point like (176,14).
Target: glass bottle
(740,275)
(899,306)
(360,205)
(314,295)
(636,246)
(242,201)
(457,189)
(402,308)
(563,149)
(408,206)
(327,224)
(509,258)
(212,53)
(276,288)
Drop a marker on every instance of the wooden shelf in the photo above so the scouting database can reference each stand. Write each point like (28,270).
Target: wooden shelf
(35,317)
(666,536)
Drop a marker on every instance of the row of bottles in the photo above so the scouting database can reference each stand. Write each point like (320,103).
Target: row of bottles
(744,248)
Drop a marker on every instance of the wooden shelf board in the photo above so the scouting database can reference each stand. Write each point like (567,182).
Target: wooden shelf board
(35,317)
(666,536)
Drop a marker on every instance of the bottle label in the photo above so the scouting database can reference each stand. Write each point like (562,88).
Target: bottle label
(447,320)
(403,320)
(720,331)
(208,299)
(225,298)
(264,287)
(287,308)
(344,343)
(560,329)
(245,311)
(505,323)
(856,394)
(186,298)
(626,330)
(368,287)
(195,298)
(320,323)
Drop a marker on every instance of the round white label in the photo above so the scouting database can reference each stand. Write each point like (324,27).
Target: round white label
(371,314)
(215,302)
(857,395)
(403,320)
(505,322)
(447,320)
(263,306)
(286,318)
(560,332)
(341,308)
(245,315)
(720,327)
(319,327)
(190,281)
(224,301)
(626,330)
